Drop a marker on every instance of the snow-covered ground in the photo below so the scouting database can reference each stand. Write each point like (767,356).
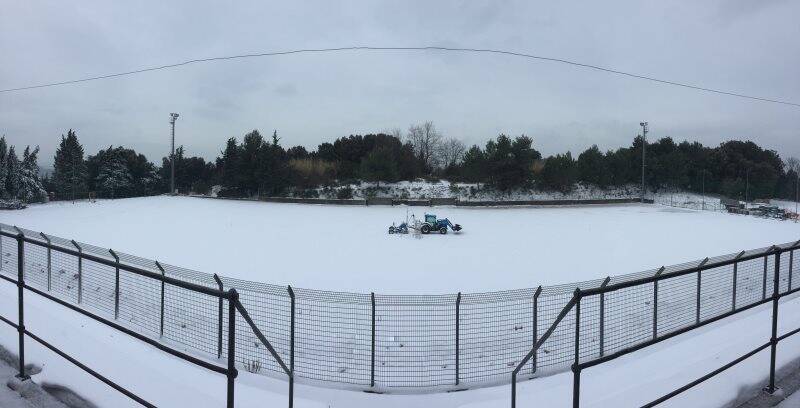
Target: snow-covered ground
(626,382)
(347,248)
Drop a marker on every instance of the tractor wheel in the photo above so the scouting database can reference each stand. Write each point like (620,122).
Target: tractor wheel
(425,228)
(443,230)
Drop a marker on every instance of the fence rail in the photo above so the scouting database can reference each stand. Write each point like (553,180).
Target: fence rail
(27,244)
(387,343)
(585,356)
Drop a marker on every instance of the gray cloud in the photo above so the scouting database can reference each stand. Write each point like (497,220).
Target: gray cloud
(748,47)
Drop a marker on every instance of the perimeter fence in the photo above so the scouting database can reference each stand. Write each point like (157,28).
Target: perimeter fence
(389,343)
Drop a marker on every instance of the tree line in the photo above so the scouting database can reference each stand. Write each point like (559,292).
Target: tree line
(258,166)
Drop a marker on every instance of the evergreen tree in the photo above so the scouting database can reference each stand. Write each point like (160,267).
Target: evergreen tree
(113,179)
(69,172)
(14,173)
(228,166)
(3,167)
(30,187)
(379,165)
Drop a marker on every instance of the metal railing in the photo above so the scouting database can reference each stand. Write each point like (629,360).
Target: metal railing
(583,359)
(46,243)
(383,343)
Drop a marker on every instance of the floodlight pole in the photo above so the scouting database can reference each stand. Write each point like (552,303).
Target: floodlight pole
(173,118)
(644,148)
(747,187)
(704,188)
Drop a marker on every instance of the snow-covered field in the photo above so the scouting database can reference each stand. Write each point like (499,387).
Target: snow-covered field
(348,249)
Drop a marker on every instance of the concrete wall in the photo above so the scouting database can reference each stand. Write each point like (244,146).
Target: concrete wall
(435,201)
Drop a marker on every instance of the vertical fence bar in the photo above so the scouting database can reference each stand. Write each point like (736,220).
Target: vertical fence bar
(576,371)
(80,271)
(116,283)
(735,279)
(764,279)
(458,326)
(372,369)
(603,316)
(49,263)
(21,304)
(791,265)
(655,303)
(535,326)
(219,318)
(774,339)
(2,255)
(161,324)
(699,285)
(233,298)
(291,348)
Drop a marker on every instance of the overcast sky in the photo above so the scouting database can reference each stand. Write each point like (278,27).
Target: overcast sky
(744,46)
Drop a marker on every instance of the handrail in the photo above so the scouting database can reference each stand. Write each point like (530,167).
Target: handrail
(561,315)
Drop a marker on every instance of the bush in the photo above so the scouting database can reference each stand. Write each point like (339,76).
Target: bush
(345,193)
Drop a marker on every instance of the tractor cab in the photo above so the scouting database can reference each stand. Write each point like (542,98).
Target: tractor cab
(430,219)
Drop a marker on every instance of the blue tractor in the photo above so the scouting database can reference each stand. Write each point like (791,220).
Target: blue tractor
(433,224)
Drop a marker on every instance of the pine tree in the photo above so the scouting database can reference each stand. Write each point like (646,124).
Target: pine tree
(113,179)
(3,167)
(69,175)
(14,176)
(30,187)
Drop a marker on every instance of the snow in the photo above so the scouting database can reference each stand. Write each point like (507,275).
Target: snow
(629,381)
(347,248)
(793,401)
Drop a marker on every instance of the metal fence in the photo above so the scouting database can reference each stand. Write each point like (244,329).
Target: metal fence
(390,343)
(715,289)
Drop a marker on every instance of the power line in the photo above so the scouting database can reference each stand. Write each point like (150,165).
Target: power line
(426,48)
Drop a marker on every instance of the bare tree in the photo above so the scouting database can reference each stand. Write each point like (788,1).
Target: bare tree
(792,164)
(426,140)
(451,152)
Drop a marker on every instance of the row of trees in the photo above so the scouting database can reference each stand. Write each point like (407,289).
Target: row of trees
(19,180)
(260,166)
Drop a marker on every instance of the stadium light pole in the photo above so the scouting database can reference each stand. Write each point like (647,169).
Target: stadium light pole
(747,188)
(173,118)
(704,189)
(644,149)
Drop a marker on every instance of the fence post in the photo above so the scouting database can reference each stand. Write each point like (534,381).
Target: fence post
(233,299)
(116,283)
(80,271)
(576,370)
(535,326)
(21,304)
(603,316)
(49,269)
(735,280)
(372,370)
(161,325)
(774,339)
(458,330)
(655,302)
(699,284)
(291,348)
(791,265)
(219,318)
(764,279)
